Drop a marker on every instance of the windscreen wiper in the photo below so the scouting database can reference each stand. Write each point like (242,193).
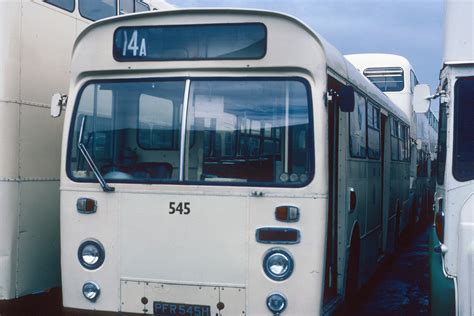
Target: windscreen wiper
(90,162)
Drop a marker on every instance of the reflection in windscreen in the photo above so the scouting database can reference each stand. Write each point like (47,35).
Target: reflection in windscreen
(248,131)
(239,131)
(463,152)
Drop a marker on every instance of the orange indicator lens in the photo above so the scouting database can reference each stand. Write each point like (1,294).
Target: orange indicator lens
(86,206)
(287,213)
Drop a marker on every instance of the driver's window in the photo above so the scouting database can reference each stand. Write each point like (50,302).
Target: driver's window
(97,134)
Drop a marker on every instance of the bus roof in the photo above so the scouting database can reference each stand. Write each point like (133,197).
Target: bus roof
(308,51)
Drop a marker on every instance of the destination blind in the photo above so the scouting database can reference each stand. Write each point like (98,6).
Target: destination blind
(190,42)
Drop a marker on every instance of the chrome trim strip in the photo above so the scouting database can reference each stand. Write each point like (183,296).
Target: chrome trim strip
(183,129)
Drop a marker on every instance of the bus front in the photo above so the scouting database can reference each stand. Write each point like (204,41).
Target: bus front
(189,163)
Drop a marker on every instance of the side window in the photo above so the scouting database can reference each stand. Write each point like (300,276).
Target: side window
(358,128)
(67,5)
(130,6)
(394,130)
(97,9)
(141,7)
(413,81)
(407,143)
(441,151)
(96,114)
(403,143)
(158,123)
(373,131)
(127,6)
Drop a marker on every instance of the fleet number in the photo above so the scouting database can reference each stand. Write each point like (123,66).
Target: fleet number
(183,208)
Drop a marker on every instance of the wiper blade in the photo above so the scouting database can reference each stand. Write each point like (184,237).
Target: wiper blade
(90,161)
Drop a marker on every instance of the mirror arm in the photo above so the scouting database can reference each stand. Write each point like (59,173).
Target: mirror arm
(438,94)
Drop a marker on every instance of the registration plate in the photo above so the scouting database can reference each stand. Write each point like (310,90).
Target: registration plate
(173,309)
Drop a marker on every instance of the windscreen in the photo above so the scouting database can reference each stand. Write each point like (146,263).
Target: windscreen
(463,151)
(239,131)
(387,79)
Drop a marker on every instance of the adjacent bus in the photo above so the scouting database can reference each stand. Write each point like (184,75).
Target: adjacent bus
(395,76)
(451,248)
(36,40)
(209,168)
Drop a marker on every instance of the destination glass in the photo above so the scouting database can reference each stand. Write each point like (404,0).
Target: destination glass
(190,42)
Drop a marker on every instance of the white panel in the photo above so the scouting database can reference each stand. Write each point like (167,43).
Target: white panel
(304,288)
(9,137)
(8,238)
(10,50)
(40,147)
(459,31)
(38,262)
(47,39)
(206,246)
(80,26)
(234,301)
(465,275)
(75,228)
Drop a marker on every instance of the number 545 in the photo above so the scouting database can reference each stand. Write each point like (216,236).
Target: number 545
(183,208)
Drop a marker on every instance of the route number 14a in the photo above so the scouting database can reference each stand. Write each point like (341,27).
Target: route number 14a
(183,208)
(133,45)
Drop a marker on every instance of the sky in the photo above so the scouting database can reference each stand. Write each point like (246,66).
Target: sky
(411,28)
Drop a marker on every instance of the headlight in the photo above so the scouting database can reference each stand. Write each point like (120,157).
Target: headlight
(91,291)
(276,303)
(278,264)
(91,254)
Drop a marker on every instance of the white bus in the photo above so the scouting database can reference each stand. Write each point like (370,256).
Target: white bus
(394,75)
(36,39)
(210,168)
(451,251)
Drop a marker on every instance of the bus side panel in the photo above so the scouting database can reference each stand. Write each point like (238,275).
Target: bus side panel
(47,40)
(396,199)
(442,293)
(10,26)
(38,250)
(40,144)
(103,226)
(8,234)
(357,178)
(39,162)
(9,135)
(465,278)
(304,298)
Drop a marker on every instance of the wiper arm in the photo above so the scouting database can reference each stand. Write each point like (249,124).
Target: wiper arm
(90,162)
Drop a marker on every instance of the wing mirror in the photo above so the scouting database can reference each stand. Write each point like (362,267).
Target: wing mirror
(58,101)
(421,98)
